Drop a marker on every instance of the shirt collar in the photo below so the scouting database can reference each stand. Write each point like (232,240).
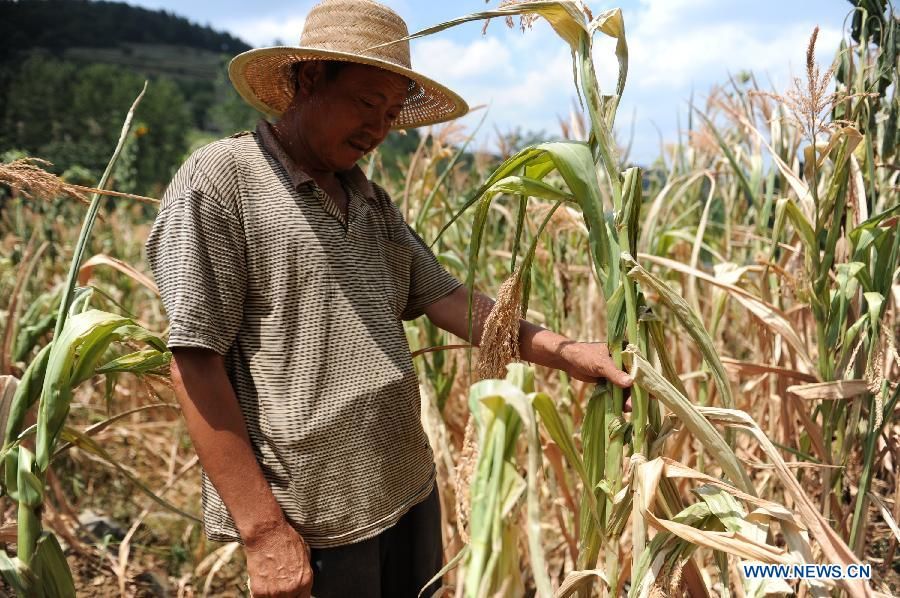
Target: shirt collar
(354,176)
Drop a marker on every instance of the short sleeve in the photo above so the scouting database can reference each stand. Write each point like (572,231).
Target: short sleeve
(196,252)
(428,279)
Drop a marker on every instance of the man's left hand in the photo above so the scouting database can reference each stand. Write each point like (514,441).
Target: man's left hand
(592,362)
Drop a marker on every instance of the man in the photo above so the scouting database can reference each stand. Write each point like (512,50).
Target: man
(285,275)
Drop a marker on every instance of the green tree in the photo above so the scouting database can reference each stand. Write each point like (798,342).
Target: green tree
(69,114)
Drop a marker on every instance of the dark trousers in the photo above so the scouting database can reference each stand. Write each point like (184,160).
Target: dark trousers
(397,563)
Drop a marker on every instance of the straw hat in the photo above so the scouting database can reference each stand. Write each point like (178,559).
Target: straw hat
(348,30)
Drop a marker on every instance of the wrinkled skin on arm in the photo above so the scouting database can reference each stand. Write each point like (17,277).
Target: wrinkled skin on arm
(277,557)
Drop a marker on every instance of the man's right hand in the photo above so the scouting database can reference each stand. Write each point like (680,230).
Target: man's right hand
(278,564)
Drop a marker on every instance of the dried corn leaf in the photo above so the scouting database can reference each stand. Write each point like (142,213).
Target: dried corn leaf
(804,195)
(777,323)
(833,546)
(578,580)
(87,269)
(886,515)
(751,368)
(730,542)
(838,389)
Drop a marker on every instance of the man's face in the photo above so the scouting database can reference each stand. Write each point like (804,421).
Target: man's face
(346,117)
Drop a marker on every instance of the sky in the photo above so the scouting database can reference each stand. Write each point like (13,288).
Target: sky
(676,47)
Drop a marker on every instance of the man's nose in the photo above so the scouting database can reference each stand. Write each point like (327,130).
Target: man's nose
(378,125)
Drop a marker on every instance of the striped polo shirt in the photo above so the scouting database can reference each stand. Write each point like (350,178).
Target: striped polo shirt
(254,261)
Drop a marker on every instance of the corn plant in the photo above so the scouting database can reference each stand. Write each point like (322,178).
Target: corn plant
(79,350)
(502,409)
(588,176)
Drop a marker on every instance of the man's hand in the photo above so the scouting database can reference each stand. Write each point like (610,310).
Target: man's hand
(591,362)
(588,362)
(278,564)
(277,557)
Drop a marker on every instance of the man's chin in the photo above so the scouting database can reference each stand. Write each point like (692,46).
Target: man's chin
(346,161)
(350,161)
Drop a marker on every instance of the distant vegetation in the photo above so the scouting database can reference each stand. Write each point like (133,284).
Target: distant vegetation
(61,24)
(69,69)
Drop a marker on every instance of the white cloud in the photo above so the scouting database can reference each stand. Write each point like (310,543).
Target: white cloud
(525,80)
(706,53)
(661,16)
(680,46)
(267,30)
(444,59)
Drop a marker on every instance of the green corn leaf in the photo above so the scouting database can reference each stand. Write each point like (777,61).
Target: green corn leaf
(86,330)
(574,163)
(138,362)
(562,436)
(847,287)
(657,336)
(524,272)
(13,573)
(787,207)
(733,517)
(521,210)
(27,392)
(11,473)
(450,260)
(81,299)
(529,187)
(73,359)
(32,328)
(874,302)
(30,493)
(703,431)
(504,398)
(691,324)
(849,341)
(52,569)
(652,559)
(30,489)
(138,334)
(593,437)
(873,222)
(629,217)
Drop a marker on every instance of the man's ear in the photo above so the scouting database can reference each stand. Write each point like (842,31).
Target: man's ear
(310,76)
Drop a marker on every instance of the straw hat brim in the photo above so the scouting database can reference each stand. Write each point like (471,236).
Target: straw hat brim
(263,78)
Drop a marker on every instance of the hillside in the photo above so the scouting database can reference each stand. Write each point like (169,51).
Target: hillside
(69,69)
(57,25)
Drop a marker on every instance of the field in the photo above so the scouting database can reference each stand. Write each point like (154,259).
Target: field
(748,279)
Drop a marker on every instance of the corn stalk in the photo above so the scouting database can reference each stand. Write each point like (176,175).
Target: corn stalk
(77,352)
(587,175)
